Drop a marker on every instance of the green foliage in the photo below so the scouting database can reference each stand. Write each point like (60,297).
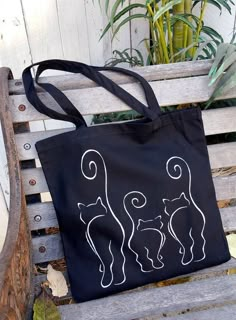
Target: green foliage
(115,116)
(45,309)
(176,33)
(223,71)
(126,57)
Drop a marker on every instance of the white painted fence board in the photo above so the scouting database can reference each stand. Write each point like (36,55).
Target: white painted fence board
(73,33)
(43,29)
(122,39)
(15,51)
(43,215)
(156,301)
(152,73)
(99,100)
(99,51)
(139,30)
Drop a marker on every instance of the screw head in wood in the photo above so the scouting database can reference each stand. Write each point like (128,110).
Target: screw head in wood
(42,249)
(22,107)
(32,182)
(27,146)
(37,218)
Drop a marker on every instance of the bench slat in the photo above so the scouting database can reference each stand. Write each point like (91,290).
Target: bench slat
(98,100)
(221,155)
(227,312)
(155,301)
(225,186)
(43,215)
(47,248)
(198,275)
(53,246)
(150,73)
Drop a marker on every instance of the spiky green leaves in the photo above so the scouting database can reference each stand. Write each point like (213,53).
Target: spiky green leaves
(223,70)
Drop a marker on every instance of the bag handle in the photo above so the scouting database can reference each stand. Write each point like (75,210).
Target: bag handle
(72,114)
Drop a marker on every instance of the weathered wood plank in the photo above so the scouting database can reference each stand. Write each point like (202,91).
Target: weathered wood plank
(98,100)
(43,215)
(227,312)
(225,186)
(155,301)
(150,73)
(221,155)
(47,248)
(215,120)
(53,250)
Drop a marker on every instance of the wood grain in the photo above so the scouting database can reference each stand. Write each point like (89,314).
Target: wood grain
(53,246)
(225,186)
(221,155)
(155,301)
(227,312)
(43,215)
(150,73)
(98,100)
(15,257)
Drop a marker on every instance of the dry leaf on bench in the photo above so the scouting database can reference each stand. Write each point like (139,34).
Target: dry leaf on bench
(57,282)
(45,309)
(231,238)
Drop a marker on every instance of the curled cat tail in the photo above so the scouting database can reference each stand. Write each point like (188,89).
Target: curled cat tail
(137,200)
(174,168)
(89,168)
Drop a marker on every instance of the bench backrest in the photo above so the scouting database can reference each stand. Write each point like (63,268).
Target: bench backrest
(175,84)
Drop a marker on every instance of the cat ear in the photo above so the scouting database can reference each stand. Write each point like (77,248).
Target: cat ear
(80,205)
(165,201)
(182,196)
(99,201)
(139,221)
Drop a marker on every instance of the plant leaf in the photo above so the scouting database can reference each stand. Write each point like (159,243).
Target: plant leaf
(114,10)
(165,8)
(224,52)
(120,14)
(221,50)
(129,18)
(227,82)
(217,3)
(181,17)
(45,309)
(200,49)
(225,65)
(212,33)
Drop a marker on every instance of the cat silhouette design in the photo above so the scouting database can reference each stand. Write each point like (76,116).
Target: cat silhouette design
(187,221)
(97,219)
(146,239)
(102,220)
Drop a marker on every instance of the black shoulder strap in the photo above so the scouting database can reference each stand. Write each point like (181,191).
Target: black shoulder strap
(72,114)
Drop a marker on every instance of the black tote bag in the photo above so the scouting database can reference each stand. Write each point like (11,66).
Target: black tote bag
(135,201)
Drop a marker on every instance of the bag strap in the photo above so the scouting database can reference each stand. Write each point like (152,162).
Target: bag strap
(72,114)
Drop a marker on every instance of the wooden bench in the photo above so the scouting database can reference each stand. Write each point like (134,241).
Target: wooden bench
(210,293)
